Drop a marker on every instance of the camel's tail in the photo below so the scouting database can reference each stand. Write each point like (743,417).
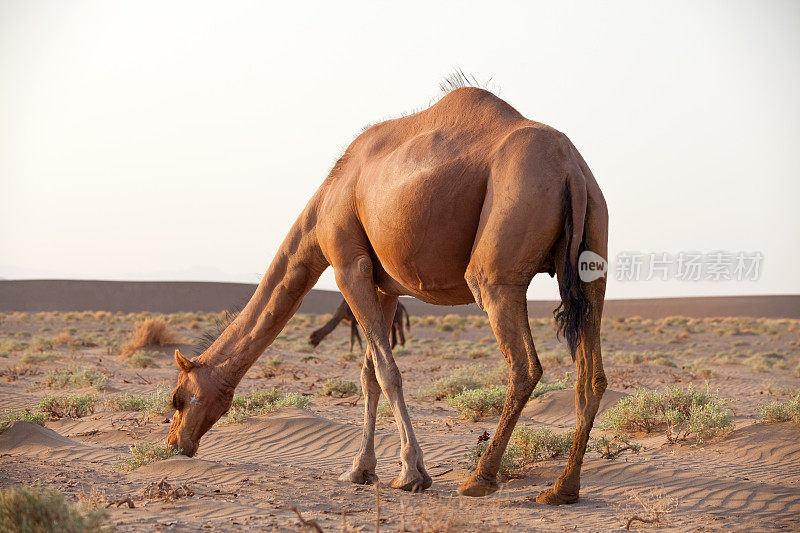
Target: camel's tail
(571,312)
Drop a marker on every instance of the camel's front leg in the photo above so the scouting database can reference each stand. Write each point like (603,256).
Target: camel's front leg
(363,470)
(354,277)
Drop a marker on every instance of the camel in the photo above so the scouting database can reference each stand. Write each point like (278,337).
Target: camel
(343,312)
(462,202)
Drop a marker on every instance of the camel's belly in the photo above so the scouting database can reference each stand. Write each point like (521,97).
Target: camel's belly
(422,228)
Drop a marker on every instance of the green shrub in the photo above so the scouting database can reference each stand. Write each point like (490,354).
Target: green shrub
(611,448)
(260,403)
(68,405)
(76,377)
(781,411)
(544,386)
(38,509)
(10,416)
(475,403)
(338,388)
(385,409)
(158,401)
(144,453)
(141,359)
(526,446)
(681,413)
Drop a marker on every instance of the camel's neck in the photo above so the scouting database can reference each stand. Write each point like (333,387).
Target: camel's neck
(292,273)
(339,315)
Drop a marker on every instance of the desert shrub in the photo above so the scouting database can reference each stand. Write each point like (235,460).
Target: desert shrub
(149,332)
(545,386)
(475,403)
(778,411)
(459,380)
(526,446)
(144,453)
(9,416)
(68,405)
(452,323)
(41,344)
(38,358)
(613,447)
(385,409)
(62,337)
(681,413)
(75,377)
(260,403)
(762,362)
(39,509)
(158,401)
(141,359)
(338,388)
(12,345)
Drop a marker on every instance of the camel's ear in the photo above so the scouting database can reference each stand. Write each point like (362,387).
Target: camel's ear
(183,363)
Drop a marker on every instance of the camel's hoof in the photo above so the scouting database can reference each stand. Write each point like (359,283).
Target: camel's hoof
(359,477)
(553,497)
(412,482)
(477,486)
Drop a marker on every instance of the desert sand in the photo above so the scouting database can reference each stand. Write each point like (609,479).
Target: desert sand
(249,475)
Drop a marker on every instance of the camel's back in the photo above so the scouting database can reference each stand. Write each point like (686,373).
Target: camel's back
(468,119)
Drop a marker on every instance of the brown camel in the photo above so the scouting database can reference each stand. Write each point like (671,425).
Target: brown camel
(343,313)
(464,201)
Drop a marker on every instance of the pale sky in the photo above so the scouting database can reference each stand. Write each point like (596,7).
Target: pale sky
(180,140)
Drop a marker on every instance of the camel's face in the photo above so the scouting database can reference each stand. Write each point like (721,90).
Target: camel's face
(199,400)
(315,339)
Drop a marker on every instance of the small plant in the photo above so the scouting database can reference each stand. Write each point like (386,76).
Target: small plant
(681,413)
(463,379)
(10,416)
(40,509)
(156,402)
(38,358)
(141,359)
(76,377)
(611,448)
(778,411)
(475,403)
(260,403)
(144,453)
(385,409)
(338,388)
(649,507)
(544,386)
(149,332)
(68,405)
(526,446)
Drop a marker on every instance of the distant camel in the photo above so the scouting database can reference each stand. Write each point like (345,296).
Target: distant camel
(462,202)
(343,312)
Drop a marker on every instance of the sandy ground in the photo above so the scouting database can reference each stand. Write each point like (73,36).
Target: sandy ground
(248,475)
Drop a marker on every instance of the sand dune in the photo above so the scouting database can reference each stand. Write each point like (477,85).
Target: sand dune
(557,408)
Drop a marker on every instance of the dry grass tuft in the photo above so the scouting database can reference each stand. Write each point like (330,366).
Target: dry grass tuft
(649,507)
(149,332)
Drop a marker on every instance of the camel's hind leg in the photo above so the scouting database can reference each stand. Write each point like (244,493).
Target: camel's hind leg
(589,388)
(591,382)
(508,315)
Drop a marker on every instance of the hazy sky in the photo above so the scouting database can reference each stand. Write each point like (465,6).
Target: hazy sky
(172,140)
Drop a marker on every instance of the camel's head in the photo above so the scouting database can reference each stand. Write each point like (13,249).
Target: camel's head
(200,399)
(315,338)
